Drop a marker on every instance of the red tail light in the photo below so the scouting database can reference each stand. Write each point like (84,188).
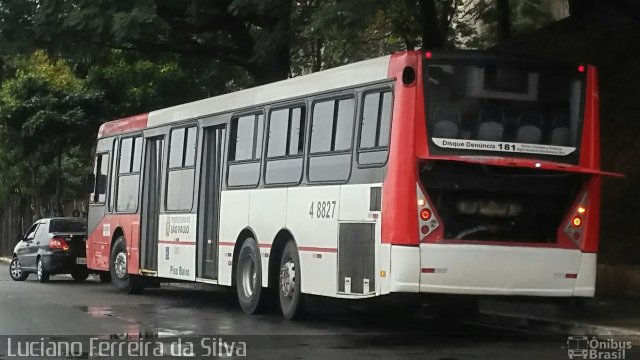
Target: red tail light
(426,218)
(425,214)
(577,220)
(58,243)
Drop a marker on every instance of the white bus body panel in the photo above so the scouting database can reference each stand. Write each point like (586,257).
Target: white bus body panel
(316,237)
(267,216)
(340,77)
(234,217)
(493,270)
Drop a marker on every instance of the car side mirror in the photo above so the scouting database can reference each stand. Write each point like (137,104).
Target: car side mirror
(90,183)
(101,184)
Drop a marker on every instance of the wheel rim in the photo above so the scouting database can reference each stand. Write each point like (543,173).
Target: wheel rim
(120,265)
(249,276)
(288,279)
(16,269)
(39,268)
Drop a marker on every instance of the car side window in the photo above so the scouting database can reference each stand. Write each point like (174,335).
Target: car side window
(32,232)
(40,231)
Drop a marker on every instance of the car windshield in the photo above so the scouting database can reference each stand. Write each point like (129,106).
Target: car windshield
(64,225)
(492,108)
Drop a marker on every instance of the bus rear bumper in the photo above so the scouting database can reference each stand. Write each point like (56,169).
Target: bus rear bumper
(492,270)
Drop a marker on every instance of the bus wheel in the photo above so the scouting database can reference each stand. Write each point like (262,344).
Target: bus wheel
(291,298)
(249,277)
(118,269)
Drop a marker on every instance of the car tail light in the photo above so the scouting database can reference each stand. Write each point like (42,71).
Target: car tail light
(577,219)
(58,243)
(426,218)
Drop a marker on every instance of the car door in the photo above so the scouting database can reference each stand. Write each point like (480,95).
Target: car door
(29,249)
(41,239)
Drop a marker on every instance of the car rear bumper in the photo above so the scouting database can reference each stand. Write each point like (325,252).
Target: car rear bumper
(492,270)
(62,263)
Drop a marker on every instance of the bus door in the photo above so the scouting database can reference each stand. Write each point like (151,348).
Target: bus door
(151,203)
(209,205)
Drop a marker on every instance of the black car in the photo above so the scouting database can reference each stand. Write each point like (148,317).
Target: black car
(52,246)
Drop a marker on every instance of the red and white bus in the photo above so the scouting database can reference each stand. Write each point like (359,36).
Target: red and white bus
(420,172)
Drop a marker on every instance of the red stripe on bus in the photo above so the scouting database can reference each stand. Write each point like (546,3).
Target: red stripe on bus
(133,123)
(317,249)
(225,243)
(170,242)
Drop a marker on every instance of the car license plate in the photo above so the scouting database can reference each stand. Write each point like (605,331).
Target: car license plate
(81,261)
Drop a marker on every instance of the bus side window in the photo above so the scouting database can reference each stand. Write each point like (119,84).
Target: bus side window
(331,139)
(285,146)
(101,167)
(129,174)
(375,128)
(245,150)
(181,170)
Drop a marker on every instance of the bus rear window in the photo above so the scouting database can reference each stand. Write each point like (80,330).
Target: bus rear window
(523,109)
(58,225)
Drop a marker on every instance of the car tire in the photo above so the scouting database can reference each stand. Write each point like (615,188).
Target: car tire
(292,301)
(105,277)
(41,271)
(80,275)
(16,272)
(249,278)
(123,281)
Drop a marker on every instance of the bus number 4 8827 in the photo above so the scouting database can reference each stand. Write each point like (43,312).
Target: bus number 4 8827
(322,209)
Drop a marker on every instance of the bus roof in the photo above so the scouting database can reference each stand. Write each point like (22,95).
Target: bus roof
(340,77)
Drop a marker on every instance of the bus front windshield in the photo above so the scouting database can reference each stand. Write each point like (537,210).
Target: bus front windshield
(525,110)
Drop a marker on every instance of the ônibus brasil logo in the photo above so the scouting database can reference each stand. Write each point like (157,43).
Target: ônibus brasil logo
(581,347)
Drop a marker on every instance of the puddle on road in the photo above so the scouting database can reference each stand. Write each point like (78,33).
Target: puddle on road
(97,311)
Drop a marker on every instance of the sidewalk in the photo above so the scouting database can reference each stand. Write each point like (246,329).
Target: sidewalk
(597,316)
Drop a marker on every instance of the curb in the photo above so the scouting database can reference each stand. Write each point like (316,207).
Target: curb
(5,259)
(526,322)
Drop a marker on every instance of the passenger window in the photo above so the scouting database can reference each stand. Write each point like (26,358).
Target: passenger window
(31,233)
(245,150)
(130,156)
(331,139)
(332,125)
(285,146)
(375,128)
(286,132)
(181,171)
(100,169)
(247,133)
(376,120)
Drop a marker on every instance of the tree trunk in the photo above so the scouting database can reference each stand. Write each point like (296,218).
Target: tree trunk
(37,200)
(503,20)
(58,196)
(431,37)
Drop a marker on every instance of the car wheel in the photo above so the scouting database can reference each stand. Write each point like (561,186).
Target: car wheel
(122,280)
(105,277)
(249,278)
(80,275)
(15,270)
(292,300)
(43,274)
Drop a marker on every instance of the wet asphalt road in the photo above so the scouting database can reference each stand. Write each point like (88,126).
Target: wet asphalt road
(65,309)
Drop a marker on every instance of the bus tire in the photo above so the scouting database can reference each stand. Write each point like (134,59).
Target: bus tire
(249,278)
(122,280)
(292,300)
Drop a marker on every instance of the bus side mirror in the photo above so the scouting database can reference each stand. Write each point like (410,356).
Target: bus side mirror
(101,184)
(91,183)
